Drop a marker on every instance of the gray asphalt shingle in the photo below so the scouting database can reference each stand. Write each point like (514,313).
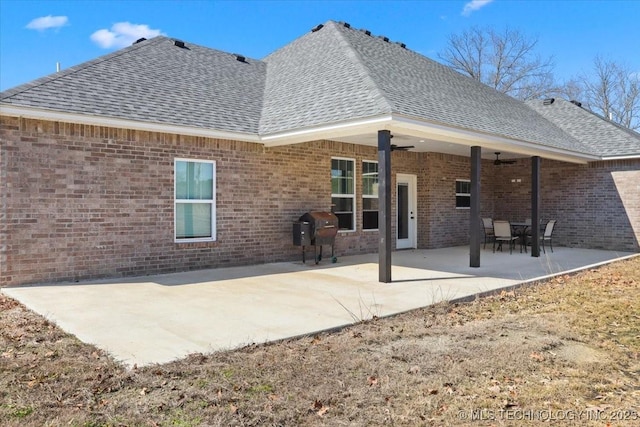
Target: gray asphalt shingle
(317,79)
(599,136)
(156,81)
(324,77)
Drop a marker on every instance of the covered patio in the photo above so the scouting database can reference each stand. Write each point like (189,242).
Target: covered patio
(156,319)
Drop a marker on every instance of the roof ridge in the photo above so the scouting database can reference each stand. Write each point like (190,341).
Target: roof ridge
(17,90)
(360,64)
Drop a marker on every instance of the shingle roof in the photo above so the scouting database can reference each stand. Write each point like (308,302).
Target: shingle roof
(331,75)
(156,81)
(599,136)
(317,79)
(340,73)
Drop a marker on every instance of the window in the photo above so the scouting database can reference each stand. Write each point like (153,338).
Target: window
(463,194)
(195,190)
(369,195)
(343,192)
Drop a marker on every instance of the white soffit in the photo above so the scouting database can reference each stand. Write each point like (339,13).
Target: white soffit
(426,137)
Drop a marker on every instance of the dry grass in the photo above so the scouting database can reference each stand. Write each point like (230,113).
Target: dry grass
(560,351)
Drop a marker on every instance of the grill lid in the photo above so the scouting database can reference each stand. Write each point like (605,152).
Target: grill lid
(319,219)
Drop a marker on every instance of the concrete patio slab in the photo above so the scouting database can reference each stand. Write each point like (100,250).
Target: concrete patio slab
(156,319)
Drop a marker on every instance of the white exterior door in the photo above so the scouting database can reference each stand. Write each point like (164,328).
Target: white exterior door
(406,227)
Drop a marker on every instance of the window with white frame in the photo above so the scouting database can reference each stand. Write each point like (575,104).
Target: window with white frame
(343,192)
(194,202)
(369,195)
(463,194)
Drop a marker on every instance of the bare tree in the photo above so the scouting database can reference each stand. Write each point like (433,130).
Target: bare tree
(613,91)
(504,60)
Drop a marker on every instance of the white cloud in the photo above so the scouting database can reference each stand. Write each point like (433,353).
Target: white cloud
(46,22)
(122,34)
(474,5)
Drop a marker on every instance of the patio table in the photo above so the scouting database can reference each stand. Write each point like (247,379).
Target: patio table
(520,229)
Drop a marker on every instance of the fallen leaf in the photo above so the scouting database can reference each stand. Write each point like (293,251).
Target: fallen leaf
(536,356)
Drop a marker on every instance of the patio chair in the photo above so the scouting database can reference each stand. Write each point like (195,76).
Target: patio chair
(548,234)
(502,231)
(487,223)
(545,235)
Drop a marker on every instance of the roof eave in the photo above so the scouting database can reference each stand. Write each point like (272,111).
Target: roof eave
(89,119)
(416,127)
(622,157)
(395,123)
(423,129)
(327,131)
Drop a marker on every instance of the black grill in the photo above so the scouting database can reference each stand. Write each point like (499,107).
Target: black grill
(315,229)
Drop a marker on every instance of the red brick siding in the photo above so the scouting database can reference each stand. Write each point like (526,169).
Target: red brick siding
(83,201)
(596,205)
(444,224)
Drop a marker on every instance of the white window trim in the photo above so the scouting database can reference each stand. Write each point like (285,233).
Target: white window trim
(212,202)
(366,196)
(463,194)
(352,196)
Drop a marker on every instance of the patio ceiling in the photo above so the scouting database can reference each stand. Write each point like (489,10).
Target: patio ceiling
(425,137)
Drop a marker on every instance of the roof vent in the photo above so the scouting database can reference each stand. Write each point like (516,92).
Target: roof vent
(179,43)
(402,45)
(141,39)
(240,58)
(384,38)
(579,104)
(317,28)
(367,32)
(346,25)
(548,101)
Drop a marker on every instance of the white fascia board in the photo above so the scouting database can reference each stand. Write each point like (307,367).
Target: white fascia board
(36,113)
(422,129)
(334,130)
(470,138)
(627,157)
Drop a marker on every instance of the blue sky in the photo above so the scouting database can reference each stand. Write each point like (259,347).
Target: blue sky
(35,35)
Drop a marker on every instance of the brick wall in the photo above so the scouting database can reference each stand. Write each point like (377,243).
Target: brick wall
(83,201)
(445,225)
(597,205)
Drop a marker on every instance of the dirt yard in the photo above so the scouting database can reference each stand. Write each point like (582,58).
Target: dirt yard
(566,352)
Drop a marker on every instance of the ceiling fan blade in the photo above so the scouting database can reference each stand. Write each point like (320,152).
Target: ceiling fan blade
(401,147)
(498,162)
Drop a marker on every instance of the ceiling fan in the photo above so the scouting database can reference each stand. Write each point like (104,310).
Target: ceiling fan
(395,147)
(497,161)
